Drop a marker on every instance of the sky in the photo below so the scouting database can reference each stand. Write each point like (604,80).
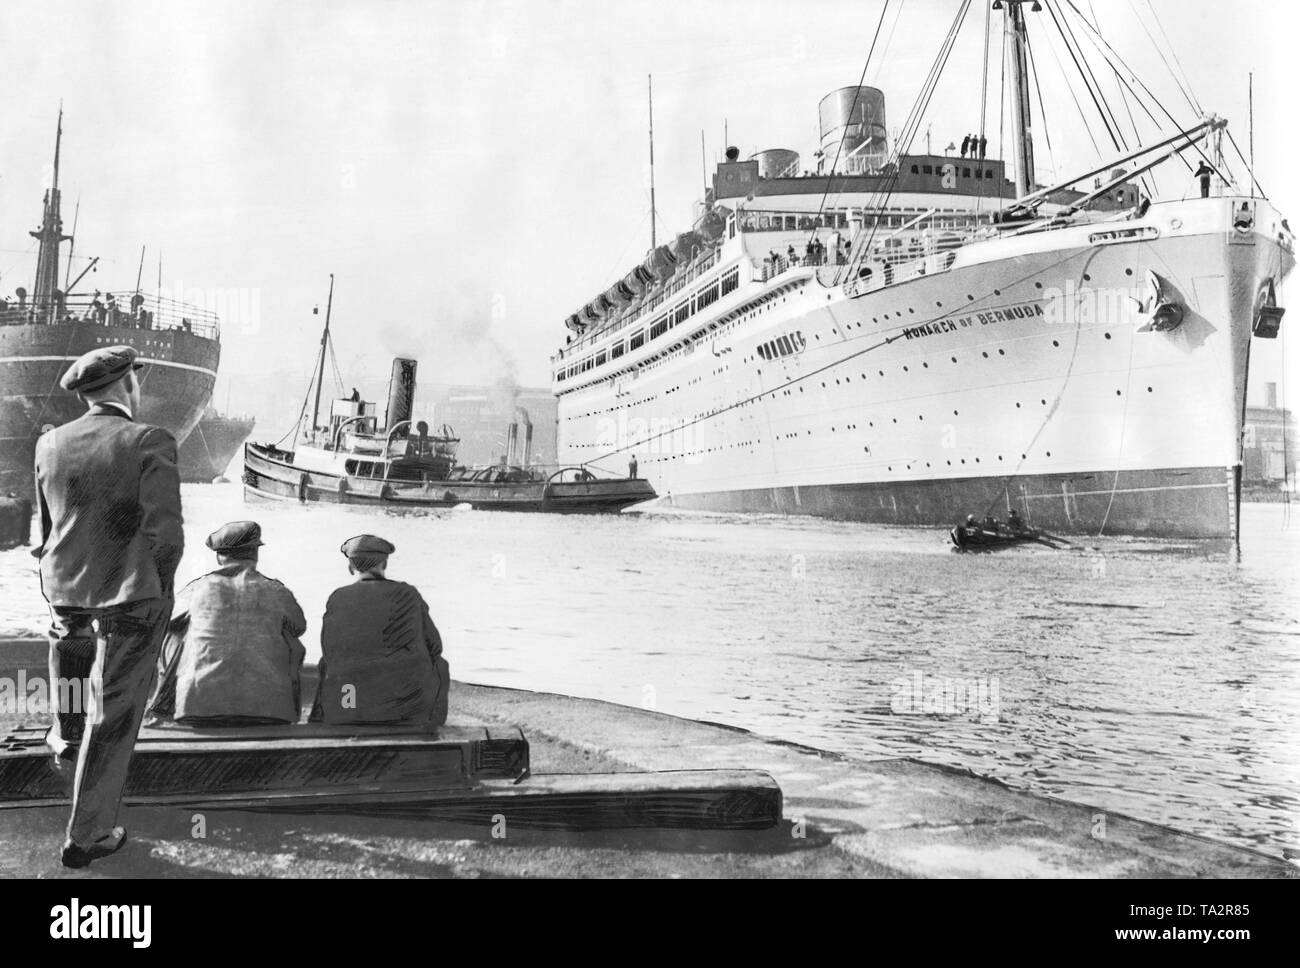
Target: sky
(473,172)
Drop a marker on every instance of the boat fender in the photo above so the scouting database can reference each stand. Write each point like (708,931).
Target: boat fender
(343,490)
(303,478)
(449,497)
(386,492)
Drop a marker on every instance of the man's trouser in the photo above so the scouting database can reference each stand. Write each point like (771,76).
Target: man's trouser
(104,718)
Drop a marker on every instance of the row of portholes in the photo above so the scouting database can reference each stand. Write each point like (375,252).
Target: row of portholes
(962,460)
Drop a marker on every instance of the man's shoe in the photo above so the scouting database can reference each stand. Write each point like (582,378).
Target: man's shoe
(65,761)
(75,855)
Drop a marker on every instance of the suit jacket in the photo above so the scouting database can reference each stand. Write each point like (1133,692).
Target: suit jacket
(109,498)
(378,639)
(234,651)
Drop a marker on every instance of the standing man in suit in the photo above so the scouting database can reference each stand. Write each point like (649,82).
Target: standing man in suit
(381,654)
(108,495)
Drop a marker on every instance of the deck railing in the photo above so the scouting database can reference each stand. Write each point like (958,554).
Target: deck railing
(130,309)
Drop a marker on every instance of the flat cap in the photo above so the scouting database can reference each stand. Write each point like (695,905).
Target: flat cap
(235,535)
(367,544)
(99,368)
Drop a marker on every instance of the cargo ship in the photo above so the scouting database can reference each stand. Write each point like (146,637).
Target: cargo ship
(906,338)
(211,446)
(44,330)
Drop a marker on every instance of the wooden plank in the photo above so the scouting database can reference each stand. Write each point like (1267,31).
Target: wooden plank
(174,767)
(684,799)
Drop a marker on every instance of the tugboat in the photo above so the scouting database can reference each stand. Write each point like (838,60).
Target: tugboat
(352,459)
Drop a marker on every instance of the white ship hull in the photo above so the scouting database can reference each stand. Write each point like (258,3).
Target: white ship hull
(1024,375)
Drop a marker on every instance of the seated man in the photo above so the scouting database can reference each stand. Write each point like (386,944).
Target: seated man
(232,656)
(381,655)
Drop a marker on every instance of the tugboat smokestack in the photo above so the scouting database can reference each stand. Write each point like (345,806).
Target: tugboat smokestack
(401,391)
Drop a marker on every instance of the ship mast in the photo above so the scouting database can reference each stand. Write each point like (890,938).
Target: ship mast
(1013,19)
(45,291)
(650,87)
(324,345)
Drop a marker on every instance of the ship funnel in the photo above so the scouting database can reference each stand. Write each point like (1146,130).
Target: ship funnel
(528,437)
(777,163)
(401,392)
(512,440)
(853,127)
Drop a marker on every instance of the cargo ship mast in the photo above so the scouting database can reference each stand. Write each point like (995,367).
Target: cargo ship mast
(46,296)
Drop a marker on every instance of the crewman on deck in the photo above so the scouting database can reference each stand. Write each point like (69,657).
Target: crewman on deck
(233,657)
(109,502)
(1204,172)
(381,654)
(631,468)
(1014,524)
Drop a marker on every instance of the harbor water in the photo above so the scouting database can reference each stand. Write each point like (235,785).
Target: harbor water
(1155,679)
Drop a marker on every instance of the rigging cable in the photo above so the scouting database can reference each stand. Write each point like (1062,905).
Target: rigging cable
(880,197)
(984,101)
(1083,74)
(839,144)
(1099,42)
(1042,109)
(1187,91)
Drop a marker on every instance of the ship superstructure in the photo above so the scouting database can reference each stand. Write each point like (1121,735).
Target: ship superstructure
(905,338)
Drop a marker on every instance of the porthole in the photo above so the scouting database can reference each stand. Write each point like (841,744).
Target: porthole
(1087,278)
(1108,335)
(1002,352)
(1055,343)
(985,354)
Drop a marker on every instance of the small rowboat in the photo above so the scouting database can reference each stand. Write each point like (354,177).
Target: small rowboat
(976,537)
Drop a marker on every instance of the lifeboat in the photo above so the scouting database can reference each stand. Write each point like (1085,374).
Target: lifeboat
(575,323)
(619,294)
(711,226)
(592,313)
(687,246)
(660,263)
(638,280)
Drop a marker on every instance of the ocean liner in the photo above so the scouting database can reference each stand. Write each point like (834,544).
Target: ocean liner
(906,338)
(43,331)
